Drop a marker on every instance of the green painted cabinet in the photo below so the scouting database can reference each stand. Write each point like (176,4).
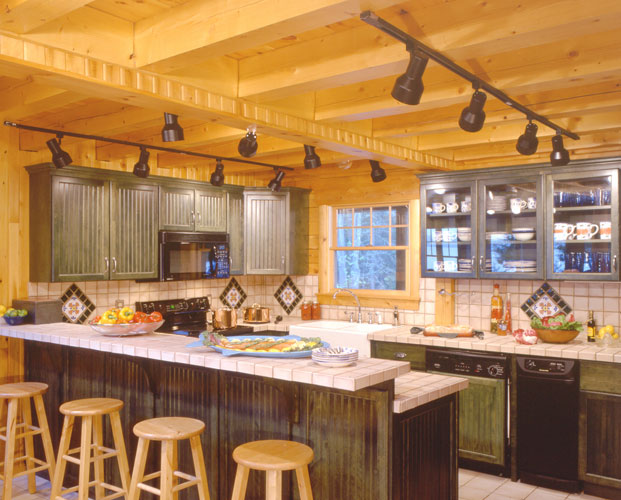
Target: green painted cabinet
(88,225)
(186,207)
(415,354)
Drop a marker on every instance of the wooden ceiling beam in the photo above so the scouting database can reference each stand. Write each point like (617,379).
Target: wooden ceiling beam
(200,30)
(22,16)
(138,88)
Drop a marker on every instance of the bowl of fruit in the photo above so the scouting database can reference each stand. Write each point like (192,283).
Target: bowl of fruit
(558,329)
(125,321)
(15,317)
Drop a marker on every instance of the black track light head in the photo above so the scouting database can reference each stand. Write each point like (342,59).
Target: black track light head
(473,116)
(527,143)
(559,155)
(275,183)
(217,178)
(60,158)
(409,87)
(311,160)
(141,168)
(378,174)
(248,144)
(172,131)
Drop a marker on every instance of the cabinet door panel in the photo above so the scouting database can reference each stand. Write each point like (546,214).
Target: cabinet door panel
(80,231)
(210,210)
(176,209)
(235,228)
(266,234)
(133,231)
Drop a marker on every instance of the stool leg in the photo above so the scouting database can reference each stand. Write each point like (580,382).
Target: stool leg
(199,467)
(304,485)
(174,468)
(61,463)
(98,465)
(85,457)
(48,449)
(273,485)
(29,444)
(241,482)
(119,445)
(166,464)
(138,472)
(9,450)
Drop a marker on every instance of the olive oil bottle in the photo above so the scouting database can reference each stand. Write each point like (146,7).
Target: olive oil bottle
(591,328)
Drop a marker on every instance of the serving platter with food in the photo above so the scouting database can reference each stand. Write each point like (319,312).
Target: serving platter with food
(289,346)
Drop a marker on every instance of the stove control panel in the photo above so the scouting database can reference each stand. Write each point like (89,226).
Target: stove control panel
(169,307)
(467,363)
(546,365)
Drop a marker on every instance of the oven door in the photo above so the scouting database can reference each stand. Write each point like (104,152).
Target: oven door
(192,256)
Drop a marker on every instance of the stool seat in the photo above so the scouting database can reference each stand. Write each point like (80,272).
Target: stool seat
(273,454)
(169,428)
(91,406)
(22,390)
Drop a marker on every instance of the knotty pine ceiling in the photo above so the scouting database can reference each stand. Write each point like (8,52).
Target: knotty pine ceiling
(311,72)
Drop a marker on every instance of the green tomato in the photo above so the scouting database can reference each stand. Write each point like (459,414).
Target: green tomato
(12,313)
(22,312)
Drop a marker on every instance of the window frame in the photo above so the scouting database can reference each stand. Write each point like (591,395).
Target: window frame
(405,299)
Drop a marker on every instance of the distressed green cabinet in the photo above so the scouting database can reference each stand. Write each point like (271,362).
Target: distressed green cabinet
(186,207)
(86,225)
(415,354)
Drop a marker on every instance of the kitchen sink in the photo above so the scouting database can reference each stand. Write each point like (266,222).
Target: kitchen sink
(340,333)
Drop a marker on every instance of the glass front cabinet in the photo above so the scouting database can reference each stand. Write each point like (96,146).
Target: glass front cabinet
(527,222)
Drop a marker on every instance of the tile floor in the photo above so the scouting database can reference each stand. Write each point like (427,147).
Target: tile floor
(472,486)
(478,486)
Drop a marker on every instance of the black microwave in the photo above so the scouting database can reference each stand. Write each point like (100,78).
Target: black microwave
(193,256)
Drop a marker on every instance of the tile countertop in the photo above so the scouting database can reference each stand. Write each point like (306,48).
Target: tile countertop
(578,348)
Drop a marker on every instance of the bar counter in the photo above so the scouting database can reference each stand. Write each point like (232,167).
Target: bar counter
(373,438)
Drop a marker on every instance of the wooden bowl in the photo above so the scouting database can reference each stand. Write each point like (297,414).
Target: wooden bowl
(557,336)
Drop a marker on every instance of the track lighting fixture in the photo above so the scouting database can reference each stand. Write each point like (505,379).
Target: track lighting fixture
(378,174)
(60,158)
(275,183)
(172,131)
(409,86)
(311,160)
(141,168)
(473,117)
(248,144)
(527,143)
(217,178)
(559,155)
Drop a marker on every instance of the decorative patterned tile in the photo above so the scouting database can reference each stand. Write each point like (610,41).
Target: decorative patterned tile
(233,294)
(77,307)
(288,295)
(546,301)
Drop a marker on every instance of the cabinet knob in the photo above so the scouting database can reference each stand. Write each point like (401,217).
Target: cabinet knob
(400,355)
(107,264)
(114,264)
(481,263)
(614,262)
(193,215)
(199,217)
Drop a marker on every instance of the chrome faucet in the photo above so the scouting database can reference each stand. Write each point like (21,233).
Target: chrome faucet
(354,296)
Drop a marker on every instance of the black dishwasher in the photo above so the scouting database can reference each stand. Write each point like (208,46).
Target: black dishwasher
(547,422)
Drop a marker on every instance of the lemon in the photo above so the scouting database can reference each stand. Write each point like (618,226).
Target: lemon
(2,310)
(609,329)
(601,332)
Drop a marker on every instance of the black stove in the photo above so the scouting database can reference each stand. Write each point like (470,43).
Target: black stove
(186,316)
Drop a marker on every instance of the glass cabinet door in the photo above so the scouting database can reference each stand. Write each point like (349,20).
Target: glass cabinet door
(583,225)
(448,231)
(511,237)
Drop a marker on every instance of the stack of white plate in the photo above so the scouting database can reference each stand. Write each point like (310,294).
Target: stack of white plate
(498,203)
(520,266)
(335,356)
(464,265)
(496,235)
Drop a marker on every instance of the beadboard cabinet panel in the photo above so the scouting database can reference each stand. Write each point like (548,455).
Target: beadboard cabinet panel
(235,229)
(176,208)
(210,208)
(185,208)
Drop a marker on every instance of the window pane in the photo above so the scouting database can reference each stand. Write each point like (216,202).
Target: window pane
(399,236)
(362,217)
(380,236)
(381,216)
(343,217)
(370,269)
(362,237)
(344,237)
(400,215)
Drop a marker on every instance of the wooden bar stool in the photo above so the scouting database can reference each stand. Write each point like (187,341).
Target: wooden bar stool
(91,449)
(169,430)
(17,398)
(274,457)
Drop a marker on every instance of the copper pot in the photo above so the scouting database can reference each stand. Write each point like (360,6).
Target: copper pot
(222,318)
(257,314)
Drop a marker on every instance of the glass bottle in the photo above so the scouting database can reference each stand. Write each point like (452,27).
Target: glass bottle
(508,314)
(306,310)
(591,328)
(496,312)
(315,310)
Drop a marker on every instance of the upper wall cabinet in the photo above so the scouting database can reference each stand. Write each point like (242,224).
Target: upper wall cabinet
(235,228)
(524,222)
(90,226)
(188,208)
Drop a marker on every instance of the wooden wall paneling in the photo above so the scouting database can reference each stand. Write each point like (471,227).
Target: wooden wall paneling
(445,303)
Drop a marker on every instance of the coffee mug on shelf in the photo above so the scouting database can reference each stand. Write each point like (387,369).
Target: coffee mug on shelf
(586,230)
(605,230)
(449,234)
(517,205)
(438,266)
(451,207)
(531,203)
(450,266)
(466,206)
(563,231)
(438,208)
